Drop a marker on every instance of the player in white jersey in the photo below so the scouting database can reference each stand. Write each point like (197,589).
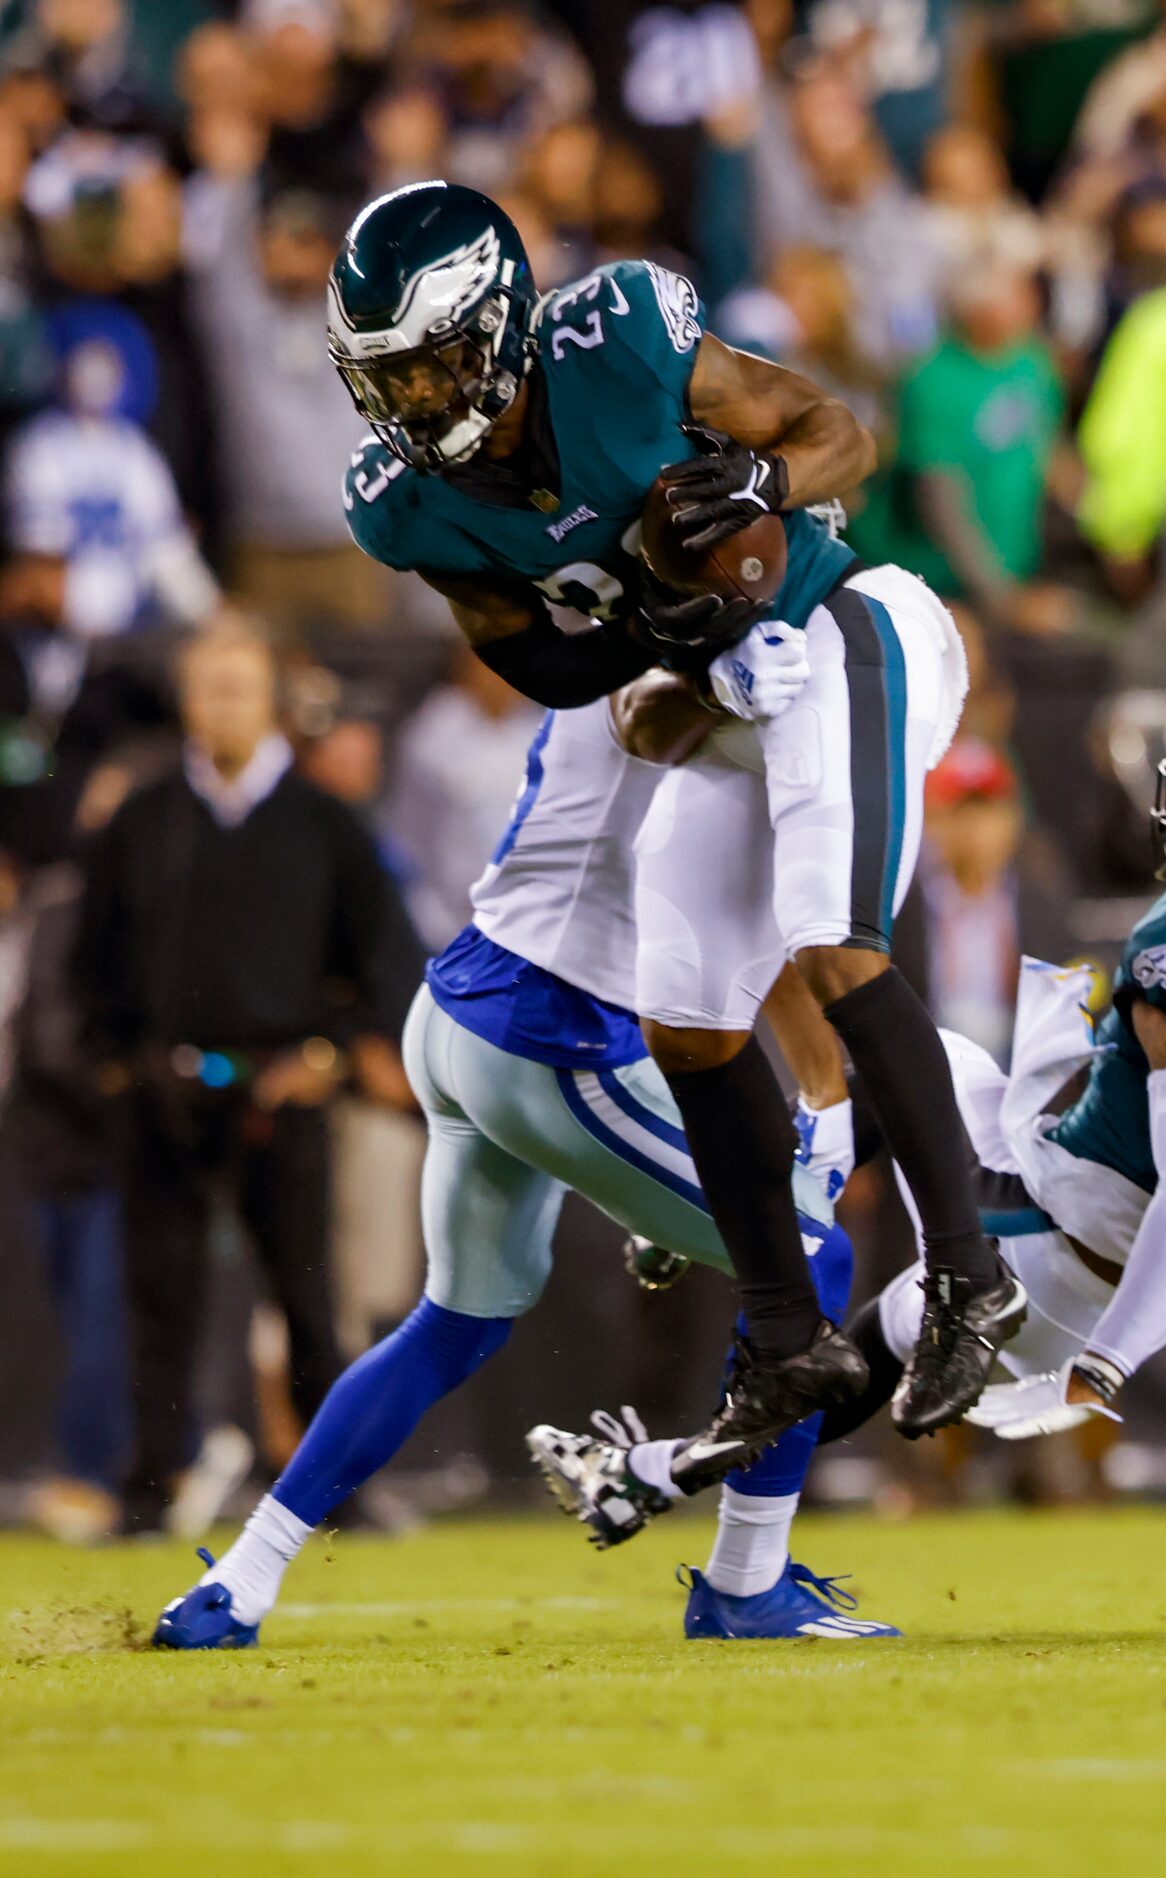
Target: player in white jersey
(1076,1201)
(534,1078)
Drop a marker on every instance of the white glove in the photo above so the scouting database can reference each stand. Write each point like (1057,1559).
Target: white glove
(1016,1411)
(762,676)
(624,1430)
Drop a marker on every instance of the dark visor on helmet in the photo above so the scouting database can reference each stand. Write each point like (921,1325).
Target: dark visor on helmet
(430,386)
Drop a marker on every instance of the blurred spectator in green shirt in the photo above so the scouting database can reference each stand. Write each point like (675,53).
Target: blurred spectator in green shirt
(978,421)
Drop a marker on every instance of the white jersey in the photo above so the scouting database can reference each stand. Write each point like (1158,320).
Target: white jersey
(560,889)
(98,492)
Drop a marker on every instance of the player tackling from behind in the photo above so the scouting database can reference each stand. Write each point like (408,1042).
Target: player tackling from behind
(533,1076)
(515,440)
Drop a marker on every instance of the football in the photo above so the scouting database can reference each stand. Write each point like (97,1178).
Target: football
(750,563)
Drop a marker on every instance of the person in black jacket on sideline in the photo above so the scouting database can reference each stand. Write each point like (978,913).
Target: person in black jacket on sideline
(238,937)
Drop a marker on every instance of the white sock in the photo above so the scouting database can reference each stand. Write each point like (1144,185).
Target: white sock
(752,1543)
(651,1462)
(252,1569)
(831,1136)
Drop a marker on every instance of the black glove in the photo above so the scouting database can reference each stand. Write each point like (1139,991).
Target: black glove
(686,630)
(724,489)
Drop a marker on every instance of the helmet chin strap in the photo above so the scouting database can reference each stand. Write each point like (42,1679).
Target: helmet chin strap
(466,437)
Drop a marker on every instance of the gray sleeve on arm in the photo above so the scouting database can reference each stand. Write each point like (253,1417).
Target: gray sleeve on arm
(945,513)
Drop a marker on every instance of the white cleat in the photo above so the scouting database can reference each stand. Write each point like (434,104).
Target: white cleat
(591,1480)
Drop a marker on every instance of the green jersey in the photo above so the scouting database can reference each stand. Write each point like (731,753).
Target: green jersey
(1111,1121)
(991,423)
(616,353)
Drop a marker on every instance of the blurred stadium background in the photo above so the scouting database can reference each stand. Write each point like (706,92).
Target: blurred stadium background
(952,214)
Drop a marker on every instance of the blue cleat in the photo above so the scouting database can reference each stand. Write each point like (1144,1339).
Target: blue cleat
(202,1620)
(798,1605)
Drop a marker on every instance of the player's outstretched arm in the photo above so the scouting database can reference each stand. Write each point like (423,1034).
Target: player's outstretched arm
(513,633)
(1132,1327)
(825,450)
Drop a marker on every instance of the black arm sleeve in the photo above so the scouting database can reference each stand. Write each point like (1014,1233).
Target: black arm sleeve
(563,670)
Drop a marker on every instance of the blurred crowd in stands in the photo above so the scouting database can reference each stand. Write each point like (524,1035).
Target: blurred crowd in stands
(952,214)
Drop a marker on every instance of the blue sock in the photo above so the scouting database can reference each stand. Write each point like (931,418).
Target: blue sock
(370,1410)
(783,1467)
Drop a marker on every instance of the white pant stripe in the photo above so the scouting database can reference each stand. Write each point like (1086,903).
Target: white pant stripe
(635,1133)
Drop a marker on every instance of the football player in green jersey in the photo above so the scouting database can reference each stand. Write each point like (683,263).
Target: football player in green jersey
(514,442)
(1104,1165)
(1078,1200)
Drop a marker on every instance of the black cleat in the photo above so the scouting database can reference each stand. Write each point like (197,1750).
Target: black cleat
(961,1332)
(764,1396)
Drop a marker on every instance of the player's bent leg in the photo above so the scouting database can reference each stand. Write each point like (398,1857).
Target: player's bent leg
(615,1137)
(743,1143)
(847,815)
(708,953)
(614,1481)
(488,1222)
(366,1416)
(751,1588)
(612,1135)
(789,1360)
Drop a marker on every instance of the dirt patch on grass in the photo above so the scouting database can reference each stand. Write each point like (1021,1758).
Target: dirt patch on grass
(74,1630)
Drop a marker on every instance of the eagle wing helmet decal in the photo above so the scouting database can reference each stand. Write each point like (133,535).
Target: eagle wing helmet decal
(451,285)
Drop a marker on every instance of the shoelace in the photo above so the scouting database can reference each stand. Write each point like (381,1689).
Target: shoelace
(621,1434)
(828,1589)
(736,1367)
(937,1333)
(222,1597)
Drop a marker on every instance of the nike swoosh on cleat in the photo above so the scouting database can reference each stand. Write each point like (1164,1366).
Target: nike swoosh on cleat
(709,1450)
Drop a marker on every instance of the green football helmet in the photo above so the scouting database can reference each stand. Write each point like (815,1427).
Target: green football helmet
(431,314)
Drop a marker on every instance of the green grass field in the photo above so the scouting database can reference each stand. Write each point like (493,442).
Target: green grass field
(494,1697)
